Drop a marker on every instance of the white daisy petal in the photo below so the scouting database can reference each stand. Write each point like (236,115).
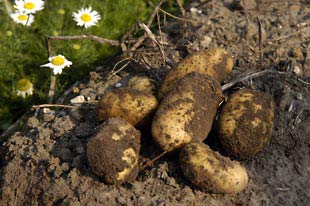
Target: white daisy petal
(57,63)
(29,6)
(86,17)
(22,18)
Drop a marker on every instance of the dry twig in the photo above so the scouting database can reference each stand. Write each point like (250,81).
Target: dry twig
(150,34)
(150,163)
(113,72)
(292,34)
(149,23)
(178,18)
(51,105)
(248,75)
(260,41)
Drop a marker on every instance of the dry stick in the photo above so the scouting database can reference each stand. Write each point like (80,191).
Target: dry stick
(292,34)
(181,7)
(175,17)
(260,41)
(113,72)
(149,163)
(86,36)
(153,38)
(51,105)
(248,75)
(149,23)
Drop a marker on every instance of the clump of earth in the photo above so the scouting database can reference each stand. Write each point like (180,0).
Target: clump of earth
(44,162)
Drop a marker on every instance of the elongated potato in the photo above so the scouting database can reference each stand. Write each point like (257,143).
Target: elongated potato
(216,63)
(113,152)
(131,105)
(211,171)
(246,123)
(187,112)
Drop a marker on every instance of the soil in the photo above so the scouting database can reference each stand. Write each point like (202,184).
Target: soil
(44,163)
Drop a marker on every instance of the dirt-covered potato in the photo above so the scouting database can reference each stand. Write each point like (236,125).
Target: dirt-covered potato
(211,171)
(113,152)
(216,63)
(131,105)
(187,112)
(142,83)
(246,123)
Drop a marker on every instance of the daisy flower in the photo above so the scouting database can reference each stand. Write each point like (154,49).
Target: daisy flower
(86,17)
(22,18)
(57,63)
(24,88)
(29,6)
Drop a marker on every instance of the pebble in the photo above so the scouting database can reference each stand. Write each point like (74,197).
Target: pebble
(48,114)
(297,70)
(78,100)
(205,43)
(118,85)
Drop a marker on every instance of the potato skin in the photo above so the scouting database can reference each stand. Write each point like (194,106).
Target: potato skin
(113,152)
(131,105)
(246,123)
(216,63)
(142,83)
(187,112)
(211,171)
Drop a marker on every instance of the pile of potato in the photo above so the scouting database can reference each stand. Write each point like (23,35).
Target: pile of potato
(189,99)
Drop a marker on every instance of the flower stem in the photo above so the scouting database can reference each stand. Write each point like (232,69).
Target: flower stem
(52,89)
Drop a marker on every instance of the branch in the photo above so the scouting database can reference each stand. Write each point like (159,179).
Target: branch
(149,24)
(86,36)
(51,105)
(181,7)
(248,75)
(175,17)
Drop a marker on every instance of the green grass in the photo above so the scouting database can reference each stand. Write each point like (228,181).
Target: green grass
(23,49)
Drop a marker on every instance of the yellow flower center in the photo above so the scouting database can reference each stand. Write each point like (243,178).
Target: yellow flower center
(24,85)
(22,17)
(61,11)
(58,61)
(9,33)
(29,5)
(86,17)
(76,46)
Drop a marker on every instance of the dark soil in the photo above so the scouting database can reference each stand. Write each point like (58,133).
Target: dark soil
(44,163)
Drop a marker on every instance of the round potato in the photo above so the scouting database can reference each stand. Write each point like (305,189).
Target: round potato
(131,105)
(216,63)
(187,112)
(246,123)
(142,83)
(211,171)
(113,152)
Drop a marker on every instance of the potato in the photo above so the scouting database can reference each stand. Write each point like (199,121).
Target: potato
(131,105)
(211,171)
(113,152)
(142,83)
(187,112)
(246,123)
(216,63)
